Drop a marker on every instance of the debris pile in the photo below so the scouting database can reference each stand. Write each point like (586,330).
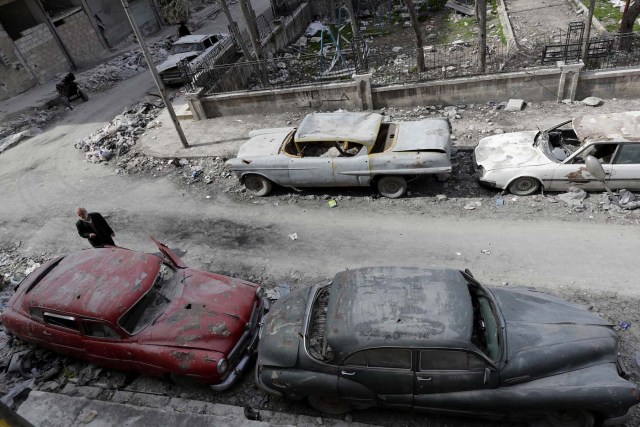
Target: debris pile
(119,135)
(30,118)
(122,67)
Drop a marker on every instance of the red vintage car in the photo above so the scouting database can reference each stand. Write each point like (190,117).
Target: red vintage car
(139,312)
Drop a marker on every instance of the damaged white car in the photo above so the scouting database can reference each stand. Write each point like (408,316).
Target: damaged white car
(194,49)
(345,149)
(554,159)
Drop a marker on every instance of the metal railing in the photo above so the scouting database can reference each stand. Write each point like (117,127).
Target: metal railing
(617,51)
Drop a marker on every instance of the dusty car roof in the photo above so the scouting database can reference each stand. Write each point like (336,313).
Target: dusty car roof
(397,306)
(193,38)
(361,128)
(96,283)
(612,127)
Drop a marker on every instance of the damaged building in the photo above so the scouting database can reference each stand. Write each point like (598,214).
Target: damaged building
(41,38)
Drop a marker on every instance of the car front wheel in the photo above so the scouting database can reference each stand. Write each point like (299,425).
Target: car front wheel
(524,186)
(392,186)
(329,405)
(257,185)
(570,418)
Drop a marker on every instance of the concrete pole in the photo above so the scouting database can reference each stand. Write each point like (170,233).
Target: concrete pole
(154,74)
(587,32)
(233,25)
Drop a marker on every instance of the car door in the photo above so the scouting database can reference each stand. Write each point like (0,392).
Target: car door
(573,171)
(314,168)
(104,346)
(626,167)
(443,371)
(383,374)
(352,169)
(61,332)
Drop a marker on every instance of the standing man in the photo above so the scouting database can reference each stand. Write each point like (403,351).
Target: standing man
(94,227)
(183,30)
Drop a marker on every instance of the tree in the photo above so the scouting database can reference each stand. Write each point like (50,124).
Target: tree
(481,11)
(416,28)
(631,13)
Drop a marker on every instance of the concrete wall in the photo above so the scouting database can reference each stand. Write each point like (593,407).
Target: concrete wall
(289,31)
(41,53)
(111,13)
(534,85)
(80,39)
(307,98)
(14,76)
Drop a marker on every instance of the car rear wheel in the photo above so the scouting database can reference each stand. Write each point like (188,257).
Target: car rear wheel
(571,418)
(257,185)
(524,186)
(392,186)
(329,405)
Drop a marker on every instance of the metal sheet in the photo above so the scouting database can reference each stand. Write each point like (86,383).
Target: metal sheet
(361,128)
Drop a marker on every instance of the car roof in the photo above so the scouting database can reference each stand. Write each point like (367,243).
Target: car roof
(193,38)
(611,127)
(398,307)
(359,127)
(96,283)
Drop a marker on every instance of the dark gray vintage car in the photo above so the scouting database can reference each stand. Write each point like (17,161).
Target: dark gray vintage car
(437,340)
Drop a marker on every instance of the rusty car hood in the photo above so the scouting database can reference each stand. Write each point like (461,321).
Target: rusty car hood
(509,150)
(266,142)
(210,313)
(547,335)
(281,336)
(423,135)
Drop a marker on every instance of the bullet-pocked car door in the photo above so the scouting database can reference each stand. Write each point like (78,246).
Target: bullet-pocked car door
(441,372)
(383,374)
(105,347)
(573,171)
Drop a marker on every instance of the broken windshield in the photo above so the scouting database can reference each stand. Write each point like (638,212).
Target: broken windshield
(187,47)
(153,303)
(486,328)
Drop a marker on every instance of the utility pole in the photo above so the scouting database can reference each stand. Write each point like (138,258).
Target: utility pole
(154,74)
(233,26)
(587,32)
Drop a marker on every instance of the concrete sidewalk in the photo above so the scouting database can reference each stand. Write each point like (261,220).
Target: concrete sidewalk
(59,410)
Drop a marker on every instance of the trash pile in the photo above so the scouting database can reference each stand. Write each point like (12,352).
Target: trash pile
(624,200)
(120,134)
(122,67)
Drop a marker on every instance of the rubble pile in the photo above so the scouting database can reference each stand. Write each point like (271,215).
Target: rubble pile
(120,134)
(28,119)
(120,68)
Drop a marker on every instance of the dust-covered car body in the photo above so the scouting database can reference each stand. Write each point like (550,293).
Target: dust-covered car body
(346,149)
(194,49)
(437,340)
(139,312)
(554,159)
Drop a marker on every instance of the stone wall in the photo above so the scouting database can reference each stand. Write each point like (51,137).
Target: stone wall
(533,86)
(80,39)
(14,76)
(41,53)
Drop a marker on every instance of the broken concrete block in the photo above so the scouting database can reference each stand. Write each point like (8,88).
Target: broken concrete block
(514,105)
(396,49)
(592,101)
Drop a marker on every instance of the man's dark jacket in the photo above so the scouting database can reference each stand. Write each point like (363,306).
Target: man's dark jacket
(100,228)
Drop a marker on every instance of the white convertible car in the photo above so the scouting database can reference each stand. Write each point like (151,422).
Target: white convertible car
(344,149)
(554,159)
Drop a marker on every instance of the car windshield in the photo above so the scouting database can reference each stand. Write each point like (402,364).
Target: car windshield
(153,303)
(558,142)
(316,339)
(486,334)
(186,47)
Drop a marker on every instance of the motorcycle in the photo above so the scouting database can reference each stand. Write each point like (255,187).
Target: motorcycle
(69,90)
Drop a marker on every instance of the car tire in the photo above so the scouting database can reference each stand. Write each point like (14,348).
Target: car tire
(392,187)
(524,186)
(257,185)
(570,418)
(83,95)
(329,405)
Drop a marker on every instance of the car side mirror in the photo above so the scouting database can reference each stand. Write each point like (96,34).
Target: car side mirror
(595,168)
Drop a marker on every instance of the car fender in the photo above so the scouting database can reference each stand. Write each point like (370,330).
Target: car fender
(530,174)
(297,384)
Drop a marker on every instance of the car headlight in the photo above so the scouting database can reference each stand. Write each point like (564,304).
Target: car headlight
(223,366)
